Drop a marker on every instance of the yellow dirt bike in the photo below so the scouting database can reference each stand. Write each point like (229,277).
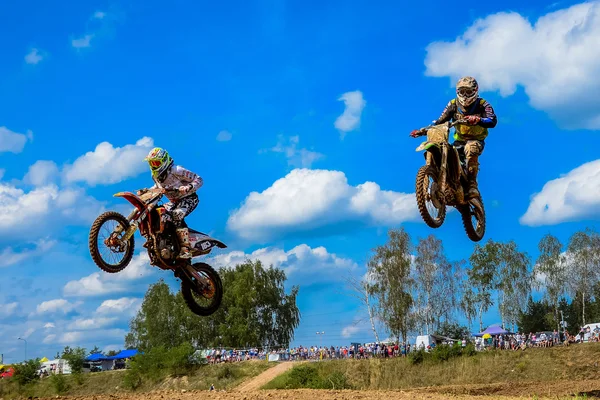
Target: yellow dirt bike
(443,181)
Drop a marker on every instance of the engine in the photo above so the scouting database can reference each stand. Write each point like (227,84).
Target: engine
(166,247)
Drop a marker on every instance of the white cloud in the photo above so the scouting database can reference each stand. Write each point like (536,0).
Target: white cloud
(33,57)
(99,14)
(28,333)
(79,338)
(100,283)
(350,330)
(22,210)
(8,310)
(49,339)
(124,305)
(296,157)
(9,256)
(224,136)
(350,118)
(56,306)
(307,200)
(82,42)
(571,197)
(302,263)
(111,347)
(107,164)
(82,324)
(557,60)
(13,142)
(49,325)
(43,172)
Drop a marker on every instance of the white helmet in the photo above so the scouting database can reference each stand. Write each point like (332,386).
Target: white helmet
(467,91)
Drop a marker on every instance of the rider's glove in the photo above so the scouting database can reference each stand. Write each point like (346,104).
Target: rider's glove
(184,189)
(473,119)
(417,132)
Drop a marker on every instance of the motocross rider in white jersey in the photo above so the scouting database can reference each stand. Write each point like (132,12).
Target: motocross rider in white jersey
(180,187)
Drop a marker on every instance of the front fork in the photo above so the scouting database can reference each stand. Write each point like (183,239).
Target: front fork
(443,171)
(132,227)
(443,168)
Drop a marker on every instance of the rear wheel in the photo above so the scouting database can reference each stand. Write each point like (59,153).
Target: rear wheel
(202,299)
(429,197)
(473,217)
(108,253)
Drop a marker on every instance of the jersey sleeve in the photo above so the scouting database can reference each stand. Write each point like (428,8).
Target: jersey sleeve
(190,177)
(446,114)
(490,120)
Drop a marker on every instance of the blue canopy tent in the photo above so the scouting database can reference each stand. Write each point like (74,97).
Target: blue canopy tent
(95,357)
(123,355)
(493,330)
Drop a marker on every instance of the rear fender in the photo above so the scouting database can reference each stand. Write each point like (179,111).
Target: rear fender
(203,244)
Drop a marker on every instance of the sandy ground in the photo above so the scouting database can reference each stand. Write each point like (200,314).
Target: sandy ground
(250,390)
(537,390)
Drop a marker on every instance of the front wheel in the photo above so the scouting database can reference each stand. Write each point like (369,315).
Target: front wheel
(429,197)
(201,299)
(473,217)
(110,242)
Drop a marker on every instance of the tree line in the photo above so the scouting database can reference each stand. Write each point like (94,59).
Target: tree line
(256,311)
(408,288)
(415,288)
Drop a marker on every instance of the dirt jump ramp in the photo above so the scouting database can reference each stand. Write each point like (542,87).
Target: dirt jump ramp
(258,381)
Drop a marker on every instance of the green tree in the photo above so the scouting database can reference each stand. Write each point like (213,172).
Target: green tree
(468,302)
(502,268)
(75,357)
(534,318)
(482,278)
(389,268)
(26,372)
(435,282)
(155,324)
(583,252)
(514,282)
(95,350)
(550,272)
(111,353)
(255,311)
(453,330)
(360,289)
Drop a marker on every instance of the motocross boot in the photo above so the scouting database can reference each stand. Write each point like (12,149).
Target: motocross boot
(184,242)
(473,169)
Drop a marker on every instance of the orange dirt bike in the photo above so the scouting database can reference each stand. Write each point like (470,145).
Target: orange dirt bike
(442,182)
(199,281)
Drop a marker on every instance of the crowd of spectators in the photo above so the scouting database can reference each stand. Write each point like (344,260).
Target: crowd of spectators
(517,341)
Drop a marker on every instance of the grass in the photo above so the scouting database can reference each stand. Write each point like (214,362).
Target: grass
(223,376)
(536,364)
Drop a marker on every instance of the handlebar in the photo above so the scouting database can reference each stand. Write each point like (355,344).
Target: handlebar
(450,125)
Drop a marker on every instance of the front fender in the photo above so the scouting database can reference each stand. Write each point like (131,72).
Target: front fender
(425,146)
(133,199)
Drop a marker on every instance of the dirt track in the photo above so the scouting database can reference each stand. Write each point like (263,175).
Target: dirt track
(265,377)
(560,390)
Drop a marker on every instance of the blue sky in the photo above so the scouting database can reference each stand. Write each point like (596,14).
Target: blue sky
(296,115)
